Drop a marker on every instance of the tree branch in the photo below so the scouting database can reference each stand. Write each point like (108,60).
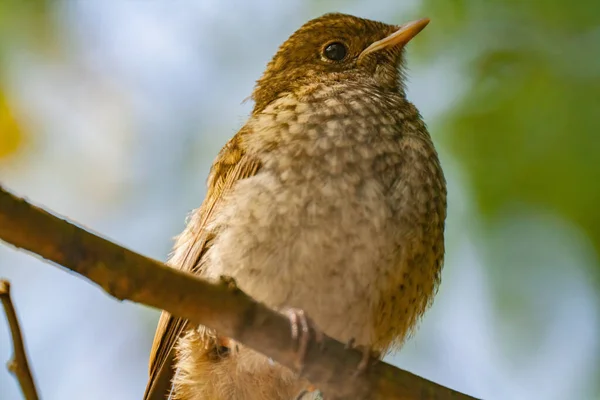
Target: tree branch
(18,364)
(127,275)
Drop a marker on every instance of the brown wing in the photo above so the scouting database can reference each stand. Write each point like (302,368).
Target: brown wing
(232,164)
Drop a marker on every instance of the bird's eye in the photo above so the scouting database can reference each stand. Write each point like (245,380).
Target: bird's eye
(335,51)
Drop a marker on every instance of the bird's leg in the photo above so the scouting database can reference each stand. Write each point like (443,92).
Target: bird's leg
(301,327)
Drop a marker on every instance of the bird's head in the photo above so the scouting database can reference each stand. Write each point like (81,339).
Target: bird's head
(337,48)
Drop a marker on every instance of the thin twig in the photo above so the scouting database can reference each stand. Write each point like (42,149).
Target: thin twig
(127,275)
(18,364)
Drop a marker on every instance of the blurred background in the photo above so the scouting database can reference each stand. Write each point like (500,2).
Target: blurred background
(111,112)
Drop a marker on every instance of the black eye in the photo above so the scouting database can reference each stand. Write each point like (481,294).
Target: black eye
(335,51)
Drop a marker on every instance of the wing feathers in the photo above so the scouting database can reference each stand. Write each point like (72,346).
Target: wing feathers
(232,164)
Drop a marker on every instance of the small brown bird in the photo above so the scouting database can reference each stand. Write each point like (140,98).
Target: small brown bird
(330,199)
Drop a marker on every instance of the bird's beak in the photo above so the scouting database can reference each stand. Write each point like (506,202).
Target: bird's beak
(399,38)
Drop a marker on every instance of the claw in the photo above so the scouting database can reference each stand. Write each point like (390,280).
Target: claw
(300,333)
(301,327)
(364,361)
(368,357)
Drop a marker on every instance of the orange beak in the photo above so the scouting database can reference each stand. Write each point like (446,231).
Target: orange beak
(399,38)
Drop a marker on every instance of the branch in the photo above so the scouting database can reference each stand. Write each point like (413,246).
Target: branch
(127,275)
(18,364)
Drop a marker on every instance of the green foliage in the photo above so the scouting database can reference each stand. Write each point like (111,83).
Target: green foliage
(527,128)
(27,24)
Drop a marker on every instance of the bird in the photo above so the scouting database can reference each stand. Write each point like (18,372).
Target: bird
(330,201)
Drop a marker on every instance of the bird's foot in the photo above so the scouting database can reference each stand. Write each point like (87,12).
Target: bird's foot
(301,333)
(369,356)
